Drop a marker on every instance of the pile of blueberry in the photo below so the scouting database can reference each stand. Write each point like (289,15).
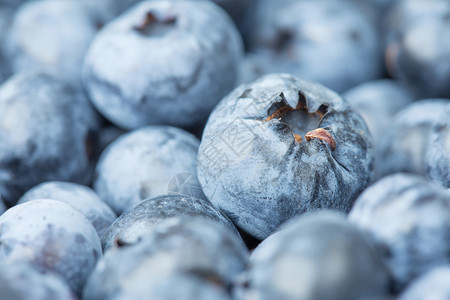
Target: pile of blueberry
(224,149)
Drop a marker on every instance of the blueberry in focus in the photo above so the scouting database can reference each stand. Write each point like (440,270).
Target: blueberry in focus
(418,46)
(431,285)
(79,197)
(409,218)
(139,220)
(331,42)
(282,146)
(47,132)
(163,62)
(142,163)
(52,36)
(181,258)
(53,237)
(20,281)
(318,256)
(404,145)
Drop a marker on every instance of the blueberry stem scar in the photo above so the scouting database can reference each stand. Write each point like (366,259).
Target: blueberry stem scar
(150,18)
(319,133)
(323,135)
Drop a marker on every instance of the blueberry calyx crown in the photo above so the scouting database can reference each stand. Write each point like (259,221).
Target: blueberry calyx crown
(151,23)
(281,108)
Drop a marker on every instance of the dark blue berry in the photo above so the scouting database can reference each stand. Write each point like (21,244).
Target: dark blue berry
(181,258)
(318,256)
(142,163)
(135,223)
(79,197)
(409,218)
(279,147)
(53,237)
(47,132)
(163,62)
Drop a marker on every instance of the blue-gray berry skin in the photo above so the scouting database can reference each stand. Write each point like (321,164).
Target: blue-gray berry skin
(12,3)
(53,237)
(47,132)
(237,9)
(163,62)
(200,253)
(316,256)
(437,155)
(135,223)
(5,20)
(4,68)
(161,286)
(2,206)
(254,167)
(417,50)
(409,217)
(52,36)
(141,163)
(376,10)
(20,281)
(331,42)
(403,147)
(405,13)
(378,101)
(79,197)
(432,285)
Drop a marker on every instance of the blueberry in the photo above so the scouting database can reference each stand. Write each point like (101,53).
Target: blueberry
(404,14)
(140,164)
(79,197)
(255,166)
(21,281)
(331,42)
(47,132)
(432,285)
(52,35)
(135,223)
(53,237)
(378,101)
(318,256)
(404,145)
(409,218)
(437,154)
(182,258)
(417,51)
(163,62)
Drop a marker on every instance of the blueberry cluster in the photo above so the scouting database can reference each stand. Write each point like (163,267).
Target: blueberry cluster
(224,149)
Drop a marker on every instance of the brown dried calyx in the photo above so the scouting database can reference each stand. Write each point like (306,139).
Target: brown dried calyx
(150,19)
(323,135)
(282,109)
